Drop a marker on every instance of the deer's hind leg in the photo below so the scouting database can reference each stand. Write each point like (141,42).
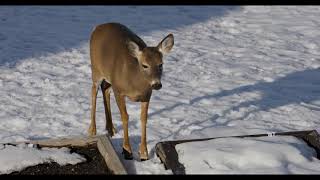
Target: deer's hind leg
(105,88)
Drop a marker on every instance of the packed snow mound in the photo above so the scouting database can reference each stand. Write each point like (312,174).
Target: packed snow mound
(261,155)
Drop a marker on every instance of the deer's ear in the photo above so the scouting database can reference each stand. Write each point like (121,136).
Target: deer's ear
(134,49)
(166,44)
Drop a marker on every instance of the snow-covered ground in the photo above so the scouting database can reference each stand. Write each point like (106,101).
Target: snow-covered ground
(233,70)
(16,158)
(262,155)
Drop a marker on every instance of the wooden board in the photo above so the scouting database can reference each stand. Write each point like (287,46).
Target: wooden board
(110,155)
(169,157)
(64,142)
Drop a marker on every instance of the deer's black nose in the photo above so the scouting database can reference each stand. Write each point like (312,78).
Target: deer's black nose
(156,85)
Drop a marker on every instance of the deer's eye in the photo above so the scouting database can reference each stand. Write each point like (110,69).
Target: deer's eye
(145,66)
(160,67)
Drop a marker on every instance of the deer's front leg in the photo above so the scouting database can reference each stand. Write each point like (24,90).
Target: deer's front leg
(92,129)
(144,116)
(126,148)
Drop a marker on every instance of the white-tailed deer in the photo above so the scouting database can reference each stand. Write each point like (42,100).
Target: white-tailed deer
(122,61)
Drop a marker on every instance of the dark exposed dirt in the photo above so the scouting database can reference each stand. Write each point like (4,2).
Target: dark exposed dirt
(94,165)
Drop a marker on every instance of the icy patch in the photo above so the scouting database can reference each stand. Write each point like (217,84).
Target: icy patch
(266,155)
(16,158)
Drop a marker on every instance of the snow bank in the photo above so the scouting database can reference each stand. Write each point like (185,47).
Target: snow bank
(16,158)
(262,155)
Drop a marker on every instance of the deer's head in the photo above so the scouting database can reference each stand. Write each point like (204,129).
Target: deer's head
(150,59)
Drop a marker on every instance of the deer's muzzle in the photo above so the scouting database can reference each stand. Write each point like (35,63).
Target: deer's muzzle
(156,85)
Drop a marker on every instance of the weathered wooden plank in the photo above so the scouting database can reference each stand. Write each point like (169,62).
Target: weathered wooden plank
(313,140)
(110,155)
(291,133)
(64,142)
(169,157)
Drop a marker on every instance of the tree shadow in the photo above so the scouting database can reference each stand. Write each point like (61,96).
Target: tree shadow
(33,31)
(301,87)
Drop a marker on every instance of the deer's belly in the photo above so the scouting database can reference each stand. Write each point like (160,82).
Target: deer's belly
(135,98)
(139,97)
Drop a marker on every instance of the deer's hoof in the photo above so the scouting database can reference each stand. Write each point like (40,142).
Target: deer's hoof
(143,156)
(92,131)
(112,131)
(126,154)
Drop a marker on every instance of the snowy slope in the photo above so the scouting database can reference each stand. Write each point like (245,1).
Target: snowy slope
(233,70)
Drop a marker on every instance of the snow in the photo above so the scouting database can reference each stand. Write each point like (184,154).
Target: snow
(233,70)
(262,155)
(16,158)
